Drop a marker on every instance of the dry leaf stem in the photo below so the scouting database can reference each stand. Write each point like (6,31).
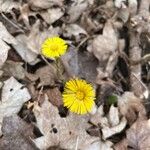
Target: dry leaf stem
(135,51)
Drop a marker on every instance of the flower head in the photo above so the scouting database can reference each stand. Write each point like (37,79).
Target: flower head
(54,47)
(78,96)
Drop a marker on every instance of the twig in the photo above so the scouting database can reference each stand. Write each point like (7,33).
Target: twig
(135,51)
(77,143)
(8,20)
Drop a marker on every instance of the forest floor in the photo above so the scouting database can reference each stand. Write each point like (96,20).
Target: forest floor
(108,47)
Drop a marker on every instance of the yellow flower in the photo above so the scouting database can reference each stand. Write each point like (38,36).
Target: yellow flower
(54,47)
(78,96)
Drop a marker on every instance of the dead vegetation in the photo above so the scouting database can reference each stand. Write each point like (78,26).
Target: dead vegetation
(108,46)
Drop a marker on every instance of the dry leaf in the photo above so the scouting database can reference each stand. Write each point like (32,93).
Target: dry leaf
(70,62)
(47,75)
(110,131)
(8,5)
(131,107)
(113,116)
(14,95)
(133,6)
(119,3)
(14,69)
(38,4)
(138,136)
(110,125)
(25,12)
(76,9)
(98,118)
(67,132)
(29,47)
(5,36)
(122,145)
(16,134)
(103,46)
(55,96)
(26,54)
(81,64)
(74,30)
(52,15)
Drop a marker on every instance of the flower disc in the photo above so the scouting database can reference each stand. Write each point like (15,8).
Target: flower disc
(54,47)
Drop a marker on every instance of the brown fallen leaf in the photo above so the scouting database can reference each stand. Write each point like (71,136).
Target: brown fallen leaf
(16,134)
(68,133)
(81,64)
(14,69)
(47,75)
(131,107)
(122,145)
(55,96)
(138,136)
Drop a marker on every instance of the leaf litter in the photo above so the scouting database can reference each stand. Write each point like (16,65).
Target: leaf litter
(108,42)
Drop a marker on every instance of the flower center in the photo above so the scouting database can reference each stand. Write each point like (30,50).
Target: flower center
(54,47)
(80,95)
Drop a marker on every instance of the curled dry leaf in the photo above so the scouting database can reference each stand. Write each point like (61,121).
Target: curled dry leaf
(14,69)
(133,6)
(131,107)
(38,4)
(68,133)
(51,15)
(103,46)
(5,36)
(76,9)
(16,134)
(98,118)
(47,75)
(74,30)
(110,125)
(113,119)
(119,3)
(109,131)
(14,95)
(138,136)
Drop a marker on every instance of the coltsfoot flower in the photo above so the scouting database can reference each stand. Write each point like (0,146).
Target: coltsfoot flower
(54,47)
(79,96)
